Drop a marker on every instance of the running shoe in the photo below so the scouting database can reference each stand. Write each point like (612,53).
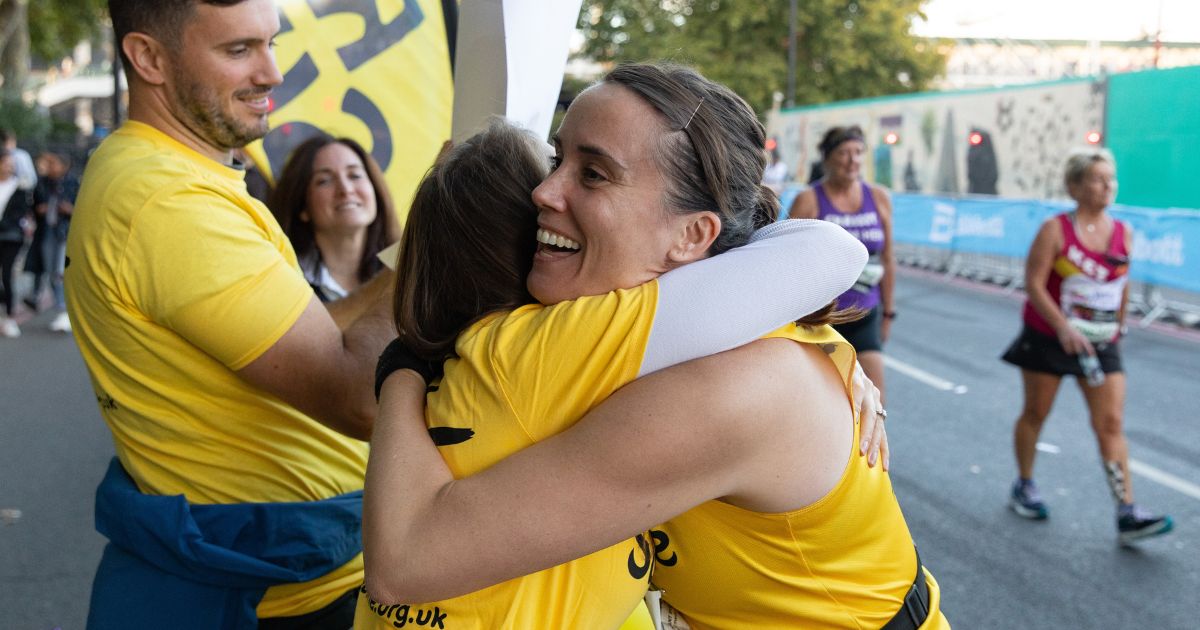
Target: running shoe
(1135,524)
(1027,502)
(9,328)
(61,323)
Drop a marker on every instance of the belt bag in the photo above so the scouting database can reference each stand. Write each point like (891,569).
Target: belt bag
(915,608)
(870,277)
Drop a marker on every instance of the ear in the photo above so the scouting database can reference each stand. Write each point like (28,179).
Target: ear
(148,57)
(697,232)
(304,216)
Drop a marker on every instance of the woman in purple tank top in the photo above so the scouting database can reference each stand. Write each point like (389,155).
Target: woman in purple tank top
(864,210)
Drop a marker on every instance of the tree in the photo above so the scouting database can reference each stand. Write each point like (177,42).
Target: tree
(47,29)
(845,48)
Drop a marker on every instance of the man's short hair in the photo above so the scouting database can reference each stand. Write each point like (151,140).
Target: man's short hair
(161,19)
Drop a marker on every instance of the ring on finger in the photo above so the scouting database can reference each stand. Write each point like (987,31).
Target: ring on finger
(882,413)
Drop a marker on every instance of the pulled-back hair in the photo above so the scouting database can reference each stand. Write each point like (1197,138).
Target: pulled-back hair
(712,155)
(289,199)
(469,241)
(1080,160)
(836,136)
(161,19)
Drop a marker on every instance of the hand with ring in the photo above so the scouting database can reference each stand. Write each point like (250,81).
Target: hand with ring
(871,414)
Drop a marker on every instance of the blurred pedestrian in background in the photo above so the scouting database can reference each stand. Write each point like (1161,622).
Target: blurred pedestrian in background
(1076,278)
(53,204)
(23,166)
(776,173)
(16,205)
(864,210)
(333,203)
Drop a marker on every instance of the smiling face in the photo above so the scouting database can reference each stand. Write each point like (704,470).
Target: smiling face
(844,162)
(341,198)
(222,72)
(1097,188)
(602,213)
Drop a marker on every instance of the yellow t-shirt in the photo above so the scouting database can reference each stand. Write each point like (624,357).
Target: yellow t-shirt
(177,278)
(521,378)
(846,561)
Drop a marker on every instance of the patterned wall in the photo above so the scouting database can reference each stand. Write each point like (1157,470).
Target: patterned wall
(1010,142)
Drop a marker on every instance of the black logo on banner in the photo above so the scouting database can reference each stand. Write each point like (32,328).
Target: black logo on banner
(377,38)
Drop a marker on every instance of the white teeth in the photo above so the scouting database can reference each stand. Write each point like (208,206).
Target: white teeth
(558,240)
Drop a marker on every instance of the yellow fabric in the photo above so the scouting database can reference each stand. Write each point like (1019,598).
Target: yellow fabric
(377,72)
(525,376)
(177,279)
(845,561)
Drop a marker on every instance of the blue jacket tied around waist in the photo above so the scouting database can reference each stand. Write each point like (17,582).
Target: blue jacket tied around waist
(170,564)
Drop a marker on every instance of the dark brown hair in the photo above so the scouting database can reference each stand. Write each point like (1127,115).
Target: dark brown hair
(712,154)
(836,136)
(469,240)
(289,199)
(161,19)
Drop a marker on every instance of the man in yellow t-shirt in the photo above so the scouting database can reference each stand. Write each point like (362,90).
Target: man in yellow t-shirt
(222,377)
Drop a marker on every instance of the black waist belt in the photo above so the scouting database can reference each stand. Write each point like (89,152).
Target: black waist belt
(915,608)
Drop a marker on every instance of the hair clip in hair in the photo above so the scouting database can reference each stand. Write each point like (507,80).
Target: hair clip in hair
(689,120)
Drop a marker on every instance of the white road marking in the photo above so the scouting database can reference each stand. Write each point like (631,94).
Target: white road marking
(1145,471)
(1165,478)
(917,373)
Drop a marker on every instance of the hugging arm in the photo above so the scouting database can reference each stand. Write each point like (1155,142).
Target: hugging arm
(788,270)
(430,537)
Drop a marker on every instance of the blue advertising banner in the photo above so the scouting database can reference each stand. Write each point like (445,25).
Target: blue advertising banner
(1166,247)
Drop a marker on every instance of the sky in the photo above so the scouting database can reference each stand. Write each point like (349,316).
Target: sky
(1062,19)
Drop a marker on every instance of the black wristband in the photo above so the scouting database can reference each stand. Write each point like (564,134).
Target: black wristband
(889,314)
(397,356)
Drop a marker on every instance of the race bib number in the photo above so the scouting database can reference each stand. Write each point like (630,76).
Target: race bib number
(1091,307)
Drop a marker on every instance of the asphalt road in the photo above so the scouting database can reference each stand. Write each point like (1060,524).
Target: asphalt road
(951,408)
(954,463)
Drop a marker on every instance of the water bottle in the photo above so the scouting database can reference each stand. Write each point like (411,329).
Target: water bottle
(1091,369)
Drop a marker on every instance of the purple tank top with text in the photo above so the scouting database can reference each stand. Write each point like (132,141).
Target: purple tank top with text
(866,227)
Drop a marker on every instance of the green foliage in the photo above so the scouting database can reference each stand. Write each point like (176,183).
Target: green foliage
(845,48)
(55,26)
(30,125)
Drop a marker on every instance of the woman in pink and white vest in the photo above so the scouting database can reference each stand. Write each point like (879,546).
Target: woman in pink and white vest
(1076,277)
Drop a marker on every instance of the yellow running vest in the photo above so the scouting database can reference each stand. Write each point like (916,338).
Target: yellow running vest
(522,377)
(846,561)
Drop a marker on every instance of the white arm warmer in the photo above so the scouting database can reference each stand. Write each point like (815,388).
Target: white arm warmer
(788,270)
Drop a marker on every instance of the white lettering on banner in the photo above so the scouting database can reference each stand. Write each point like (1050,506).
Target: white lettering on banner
(941,230)
(1087,265)
(1165,250)
(975,225)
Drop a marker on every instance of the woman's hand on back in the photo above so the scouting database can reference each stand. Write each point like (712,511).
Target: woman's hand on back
(873,437)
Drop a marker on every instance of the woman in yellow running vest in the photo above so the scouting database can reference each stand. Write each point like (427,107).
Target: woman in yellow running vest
(604,227)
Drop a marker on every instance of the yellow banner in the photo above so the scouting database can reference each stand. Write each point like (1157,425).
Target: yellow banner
(377,71)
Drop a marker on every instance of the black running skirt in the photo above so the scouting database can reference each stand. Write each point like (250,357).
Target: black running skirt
(864,334)
(1037,352)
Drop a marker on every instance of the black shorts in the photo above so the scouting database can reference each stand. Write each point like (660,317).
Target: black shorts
(864,333)
(1039,352)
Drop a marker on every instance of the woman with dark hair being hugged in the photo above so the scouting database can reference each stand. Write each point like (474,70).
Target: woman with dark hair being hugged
(1076,277)
(332,202)
(865,210)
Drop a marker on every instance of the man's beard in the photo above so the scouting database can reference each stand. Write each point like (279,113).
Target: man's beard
(202,113)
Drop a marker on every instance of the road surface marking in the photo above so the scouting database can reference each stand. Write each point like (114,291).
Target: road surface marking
(1164,478)
(917,373)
